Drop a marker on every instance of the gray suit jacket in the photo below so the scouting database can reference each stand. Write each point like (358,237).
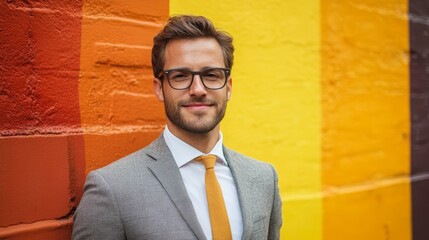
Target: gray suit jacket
(142,196)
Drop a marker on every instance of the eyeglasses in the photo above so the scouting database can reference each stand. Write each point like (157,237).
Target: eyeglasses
(182,78)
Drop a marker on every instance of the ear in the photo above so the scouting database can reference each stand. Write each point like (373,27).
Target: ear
(157,89)
(228,88)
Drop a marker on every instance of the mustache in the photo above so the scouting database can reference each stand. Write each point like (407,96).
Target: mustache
(201,100)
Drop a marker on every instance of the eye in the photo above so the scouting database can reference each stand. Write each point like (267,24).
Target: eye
(213,74)
(180,75)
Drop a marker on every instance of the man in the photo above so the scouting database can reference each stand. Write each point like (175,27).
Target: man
(169,190)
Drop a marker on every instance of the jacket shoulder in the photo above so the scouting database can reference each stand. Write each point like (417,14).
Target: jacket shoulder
(246,162)
(131,161)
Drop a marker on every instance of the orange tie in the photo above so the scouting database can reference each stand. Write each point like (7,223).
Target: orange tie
(219,221)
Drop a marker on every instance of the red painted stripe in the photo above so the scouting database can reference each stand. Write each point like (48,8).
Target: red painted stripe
(41,149)
(40,55)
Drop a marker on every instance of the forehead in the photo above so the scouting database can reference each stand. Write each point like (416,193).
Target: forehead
(193,53)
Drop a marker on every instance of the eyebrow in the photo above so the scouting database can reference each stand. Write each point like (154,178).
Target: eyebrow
(186,68)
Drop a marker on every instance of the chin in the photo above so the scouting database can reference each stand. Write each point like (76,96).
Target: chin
(200,130)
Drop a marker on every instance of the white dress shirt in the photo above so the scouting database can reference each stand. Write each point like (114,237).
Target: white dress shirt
(193,175)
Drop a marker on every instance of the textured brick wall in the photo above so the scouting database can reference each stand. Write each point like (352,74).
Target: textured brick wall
(41,143)
(321,89)
(327,91)
(118,110)
(75,94)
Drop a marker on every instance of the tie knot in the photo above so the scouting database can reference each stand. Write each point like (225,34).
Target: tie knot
(208,160)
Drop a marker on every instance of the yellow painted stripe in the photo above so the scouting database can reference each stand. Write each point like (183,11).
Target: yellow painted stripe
(275,112)
(365,92)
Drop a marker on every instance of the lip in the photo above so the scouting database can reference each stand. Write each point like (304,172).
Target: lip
(197,106)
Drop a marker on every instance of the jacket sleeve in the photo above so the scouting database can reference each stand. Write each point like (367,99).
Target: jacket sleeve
(276,212)
(97,216)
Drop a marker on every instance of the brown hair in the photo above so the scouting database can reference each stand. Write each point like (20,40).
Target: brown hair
(188,26)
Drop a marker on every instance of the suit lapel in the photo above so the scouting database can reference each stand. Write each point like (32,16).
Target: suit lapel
(243,182)
(166,171)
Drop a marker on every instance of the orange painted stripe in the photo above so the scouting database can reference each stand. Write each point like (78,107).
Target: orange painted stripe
(365,102)
(119,112)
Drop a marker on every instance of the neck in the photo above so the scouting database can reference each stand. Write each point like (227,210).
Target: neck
(204,142)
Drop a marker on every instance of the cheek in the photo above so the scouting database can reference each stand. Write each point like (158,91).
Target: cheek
(171,97)
(221,97)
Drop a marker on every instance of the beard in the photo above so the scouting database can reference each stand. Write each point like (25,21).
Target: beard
(200,122)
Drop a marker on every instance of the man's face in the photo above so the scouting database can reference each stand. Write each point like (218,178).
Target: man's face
(196,109)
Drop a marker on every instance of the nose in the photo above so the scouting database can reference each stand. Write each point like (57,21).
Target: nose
(197,87)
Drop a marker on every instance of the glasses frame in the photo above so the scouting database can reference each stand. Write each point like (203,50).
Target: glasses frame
(226,70)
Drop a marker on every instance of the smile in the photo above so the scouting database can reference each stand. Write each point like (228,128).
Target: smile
(197,106)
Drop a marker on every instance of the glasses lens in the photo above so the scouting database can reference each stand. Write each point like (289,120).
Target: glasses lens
(213,78)
(180,78)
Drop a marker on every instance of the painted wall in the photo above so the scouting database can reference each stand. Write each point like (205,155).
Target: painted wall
(366,128)
(41,144)
(333,94)
(119,113)
(75,94)
(321,90)
(275,112)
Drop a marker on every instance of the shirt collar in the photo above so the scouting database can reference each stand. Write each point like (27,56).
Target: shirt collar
(184,153)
